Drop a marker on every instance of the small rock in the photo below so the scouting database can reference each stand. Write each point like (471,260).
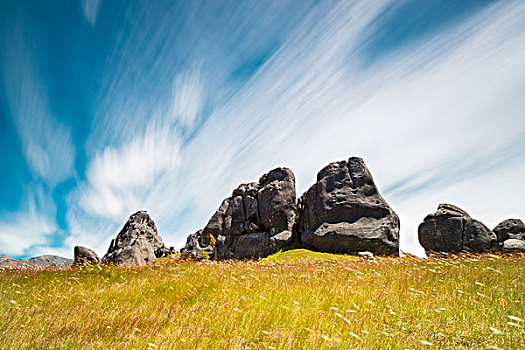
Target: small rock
(84,256)
(365,255)
(514,244)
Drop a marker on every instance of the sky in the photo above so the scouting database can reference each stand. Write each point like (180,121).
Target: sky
(108,107)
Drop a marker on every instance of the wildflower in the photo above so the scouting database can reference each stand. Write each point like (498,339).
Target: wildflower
(152,345)
(424,342)
(265,332)
(514,318)
(355,335)
(271,347)
(12,301)
(136,329)
(495,331)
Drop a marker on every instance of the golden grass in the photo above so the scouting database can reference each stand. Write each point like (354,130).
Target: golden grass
(293,300)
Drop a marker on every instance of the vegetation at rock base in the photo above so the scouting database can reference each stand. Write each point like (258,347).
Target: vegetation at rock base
(292,300)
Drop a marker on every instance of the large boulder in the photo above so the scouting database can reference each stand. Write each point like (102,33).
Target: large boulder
(138,243)
(511,234)
(344,212)
(84,256)
(452,229)
(254,222)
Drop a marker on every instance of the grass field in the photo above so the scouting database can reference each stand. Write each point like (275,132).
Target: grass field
(292,300)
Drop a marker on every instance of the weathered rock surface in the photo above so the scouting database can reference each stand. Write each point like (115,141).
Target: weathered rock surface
(452,229)
(84,256)
(138,243)
(511,234)
(344,212)
(196,247)
(254,222)
(514,244)
(510,229)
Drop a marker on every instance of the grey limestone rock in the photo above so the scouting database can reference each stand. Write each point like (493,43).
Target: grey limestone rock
(254,222)
(84,256)
(196,247)
(452,229)
(344,212)
(514,244)
(510,229)
(138,243)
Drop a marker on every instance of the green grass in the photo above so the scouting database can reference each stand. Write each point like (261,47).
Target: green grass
(292,300)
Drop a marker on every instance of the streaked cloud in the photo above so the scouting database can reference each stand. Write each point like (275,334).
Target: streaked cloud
(46,142)
(90,10)
(183,114)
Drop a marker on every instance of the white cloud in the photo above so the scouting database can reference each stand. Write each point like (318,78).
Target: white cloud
(90,10)
(441,98)
(20,232)
(413,115)
(188,97)
(118,180)
(46,142)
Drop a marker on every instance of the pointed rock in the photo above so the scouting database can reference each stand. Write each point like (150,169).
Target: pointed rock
(138,243)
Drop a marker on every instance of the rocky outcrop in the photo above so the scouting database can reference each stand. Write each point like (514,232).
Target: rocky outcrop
(344,212)
(138,243)
(511,234)
(254,222)
(452,229)
(84,256)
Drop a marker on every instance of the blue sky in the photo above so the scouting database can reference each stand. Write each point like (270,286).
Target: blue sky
(108,107)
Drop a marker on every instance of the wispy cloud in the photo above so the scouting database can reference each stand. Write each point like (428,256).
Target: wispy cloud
(188,98)
(90,10)
(435,118)
(47,143)
(30,227)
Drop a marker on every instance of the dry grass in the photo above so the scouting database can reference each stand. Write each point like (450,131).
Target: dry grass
(293,300)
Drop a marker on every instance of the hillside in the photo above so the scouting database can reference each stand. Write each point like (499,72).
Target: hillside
(293,300)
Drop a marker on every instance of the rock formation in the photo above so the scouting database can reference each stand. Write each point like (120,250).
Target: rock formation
(84,256)
(344,212)
(511,234)
(452,229)
(138,243)
(254,222)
